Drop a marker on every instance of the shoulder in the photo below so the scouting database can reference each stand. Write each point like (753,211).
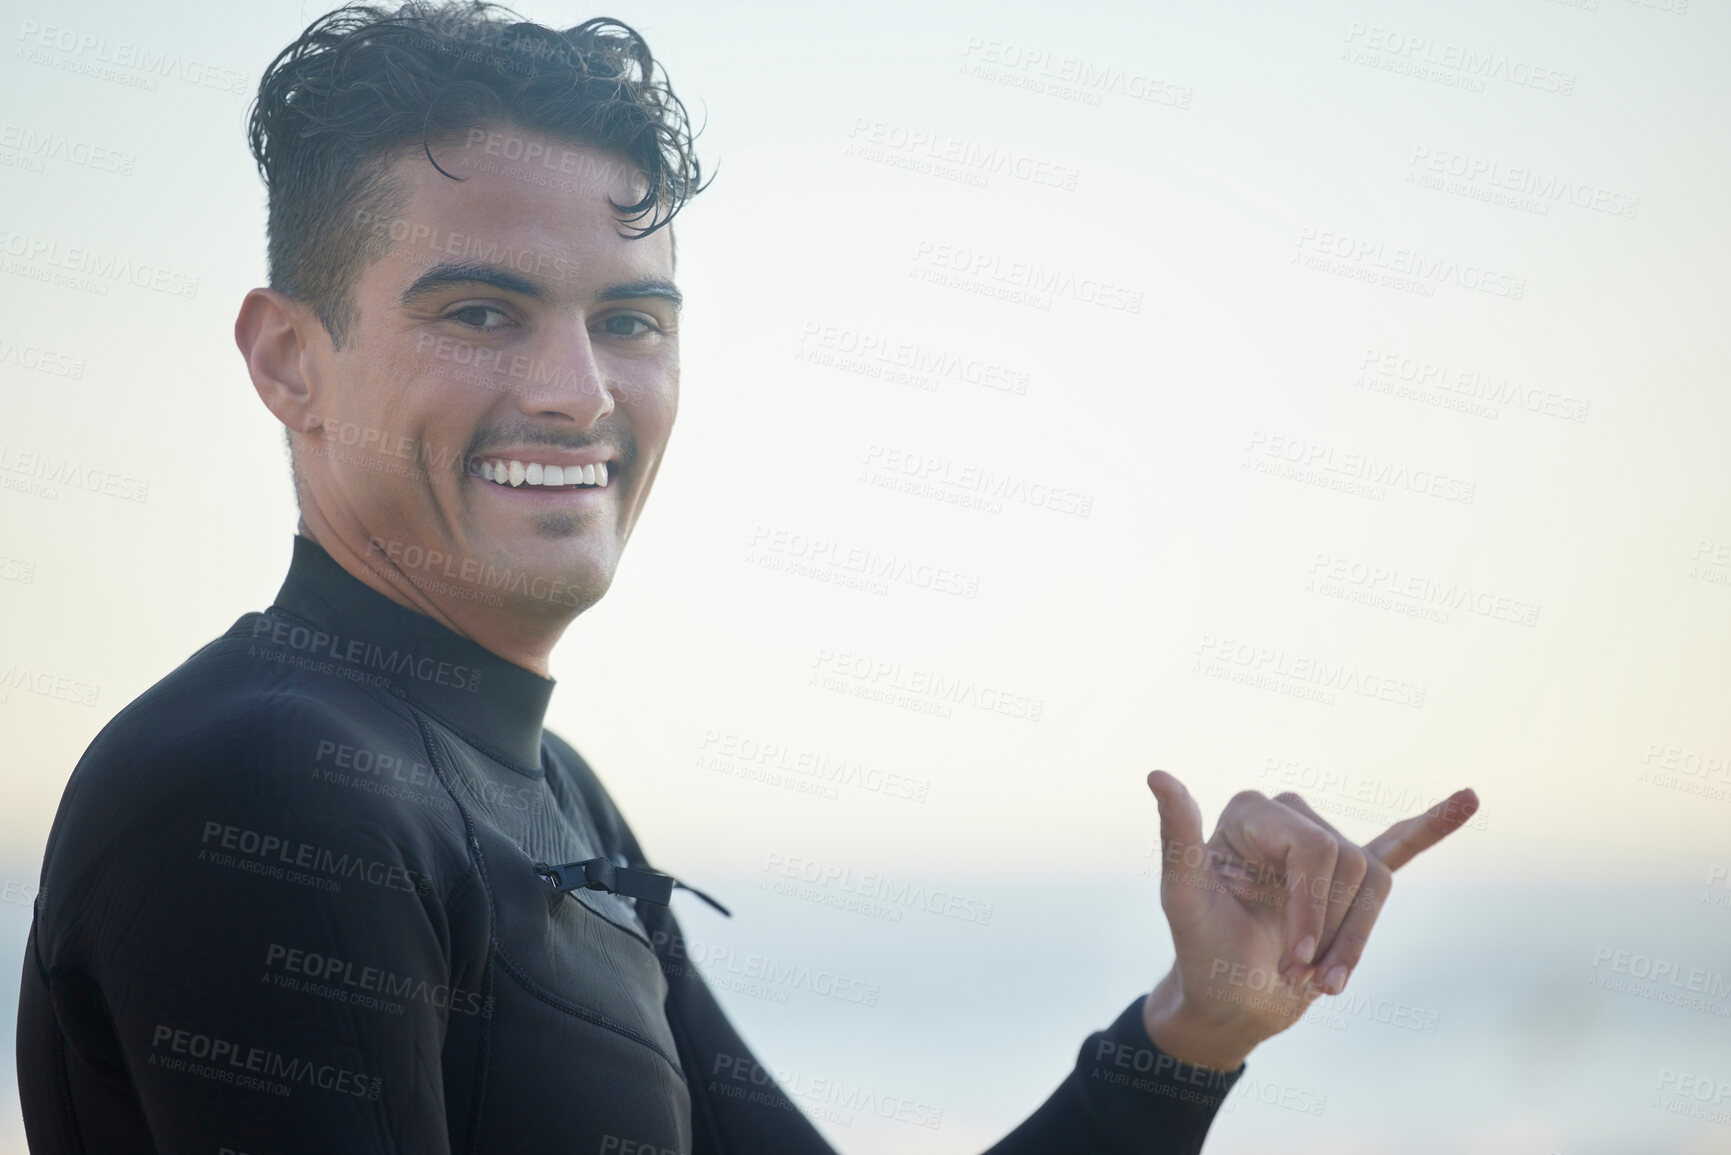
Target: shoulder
(236,754)
(230,721)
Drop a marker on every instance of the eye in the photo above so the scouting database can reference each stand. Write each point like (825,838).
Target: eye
(620,325)
(479,317)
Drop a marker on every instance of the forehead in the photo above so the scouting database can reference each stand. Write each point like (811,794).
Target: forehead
(538,203)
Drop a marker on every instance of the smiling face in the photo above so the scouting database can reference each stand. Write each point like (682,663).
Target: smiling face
(500,407)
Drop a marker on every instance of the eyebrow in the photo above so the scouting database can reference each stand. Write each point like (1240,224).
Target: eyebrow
(648,287)
(507,279)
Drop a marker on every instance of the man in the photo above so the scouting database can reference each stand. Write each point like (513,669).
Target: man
(329,886)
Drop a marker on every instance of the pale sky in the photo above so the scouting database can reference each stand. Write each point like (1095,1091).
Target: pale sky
(1364,432)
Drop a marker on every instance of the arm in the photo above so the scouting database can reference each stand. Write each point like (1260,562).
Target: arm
(232,953)
(1274,874)
(1123,1095)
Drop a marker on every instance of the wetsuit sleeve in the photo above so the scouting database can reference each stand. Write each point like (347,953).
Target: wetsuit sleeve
(235,952)
(1124,1096)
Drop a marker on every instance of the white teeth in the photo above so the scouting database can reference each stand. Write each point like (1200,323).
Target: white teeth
(518,473)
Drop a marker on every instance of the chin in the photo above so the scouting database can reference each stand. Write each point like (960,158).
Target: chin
(568,589)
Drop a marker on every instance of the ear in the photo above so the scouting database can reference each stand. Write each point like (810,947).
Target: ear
(277,337)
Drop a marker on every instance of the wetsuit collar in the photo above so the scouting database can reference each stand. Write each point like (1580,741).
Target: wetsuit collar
(492,702)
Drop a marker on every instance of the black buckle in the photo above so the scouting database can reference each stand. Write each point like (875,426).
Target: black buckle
(626,881)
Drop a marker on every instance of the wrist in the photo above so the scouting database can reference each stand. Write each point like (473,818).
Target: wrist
(1199,1036)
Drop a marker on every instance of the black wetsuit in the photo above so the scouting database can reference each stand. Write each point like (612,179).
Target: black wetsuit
(289,905)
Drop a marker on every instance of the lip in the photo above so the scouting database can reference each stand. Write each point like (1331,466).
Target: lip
(564,458)
(540,494)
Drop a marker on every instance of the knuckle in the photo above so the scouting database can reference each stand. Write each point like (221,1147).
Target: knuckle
(1318,841)
(1287,798)
(1247,798)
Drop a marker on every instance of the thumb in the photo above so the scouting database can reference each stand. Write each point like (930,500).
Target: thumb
(1183,853)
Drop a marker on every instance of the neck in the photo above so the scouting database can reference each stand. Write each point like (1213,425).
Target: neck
(524,641)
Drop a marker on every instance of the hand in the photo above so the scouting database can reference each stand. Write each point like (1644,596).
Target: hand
(1272,911)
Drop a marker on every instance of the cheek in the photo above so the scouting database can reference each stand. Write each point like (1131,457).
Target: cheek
(651,406)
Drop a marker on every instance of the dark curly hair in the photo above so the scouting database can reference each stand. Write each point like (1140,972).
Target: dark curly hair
(363,86)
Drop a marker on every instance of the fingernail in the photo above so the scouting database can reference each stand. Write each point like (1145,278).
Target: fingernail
(1335,981)
(1305,952)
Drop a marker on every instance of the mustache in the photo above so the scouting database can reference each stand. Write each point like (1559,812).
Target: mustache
(620,441)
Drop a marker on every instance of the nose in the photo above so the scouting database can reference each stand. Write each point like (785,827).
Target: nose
(566,381)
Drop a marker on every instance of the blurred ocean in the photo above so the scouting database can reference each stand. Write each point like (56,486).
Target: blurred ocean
(1473,1027)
